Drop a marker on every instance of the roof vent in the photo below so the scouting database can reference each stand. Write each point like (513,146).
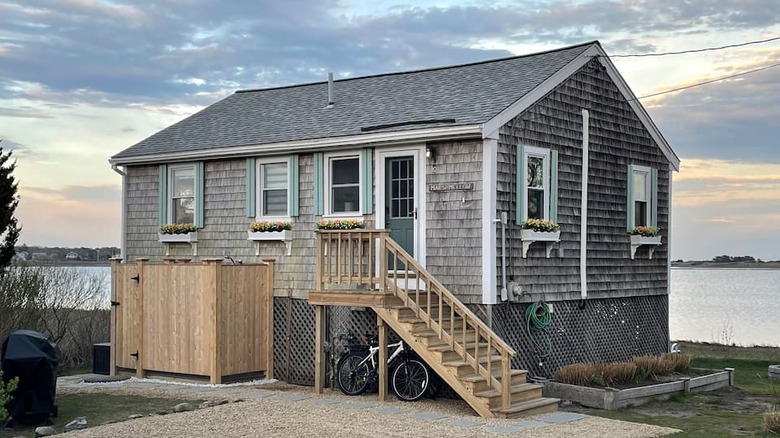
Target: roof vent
(330,90)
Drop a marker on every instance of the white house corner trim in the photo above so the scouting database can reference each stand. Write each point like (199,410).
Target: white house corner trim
(489,174)
(584,206)
(669,235)
(122,212)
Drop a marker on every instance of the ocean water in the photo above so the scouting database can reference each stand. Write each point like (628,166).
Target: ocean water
(739,306)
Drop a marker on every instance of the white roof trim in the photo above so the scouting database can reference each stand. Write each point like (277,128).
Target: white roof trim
(491,127)
(373,139)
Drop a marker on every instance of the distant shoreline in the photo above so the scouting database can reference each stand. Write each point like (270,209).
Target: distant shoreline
(75,264)
(726,265)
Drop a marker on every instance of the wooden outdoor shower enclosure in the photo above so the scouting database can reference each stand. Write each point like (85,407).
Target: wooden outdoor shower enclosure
(192,320)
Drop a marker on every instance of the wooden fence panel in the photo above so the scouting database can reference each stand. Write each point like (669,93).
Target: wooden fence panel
(243,317)
(177,319)
(128,327)
(193,319)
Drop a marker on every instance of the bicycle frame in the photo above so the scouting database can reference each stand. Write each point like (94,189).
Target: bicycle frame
(372,353)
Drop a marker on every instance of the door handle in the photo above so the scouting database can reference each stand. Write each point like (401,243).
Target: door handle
(414,213)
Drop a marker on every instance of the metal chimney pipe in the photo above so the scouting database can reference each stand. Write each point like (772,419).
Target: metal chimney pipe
(330,89)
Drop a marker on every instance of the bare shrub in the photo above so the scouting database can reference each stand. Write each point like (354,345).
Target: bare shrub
(69,305)
(19,290)
(772,420)
(620,373)
(575,374)
(682,362)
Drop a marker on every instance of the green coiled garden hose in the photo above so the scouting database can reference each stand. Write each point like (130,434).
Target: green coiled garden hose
(538,317)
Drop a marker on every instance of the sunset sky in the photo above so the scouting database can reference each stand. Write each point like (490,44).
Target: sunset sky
(80,80)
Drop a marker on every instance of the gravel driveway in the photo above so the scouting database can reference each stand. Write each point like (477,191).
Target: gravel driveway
(282,410)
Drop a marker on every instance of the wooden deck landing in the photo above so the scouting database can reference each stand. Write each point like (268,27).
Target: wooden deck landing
(353,298)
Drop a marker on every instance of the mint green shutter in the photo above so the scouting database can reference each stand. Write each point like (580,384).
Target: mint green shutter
(520,184)
(554,186)
(318,184)
(251,187)
(630,198)
(199,187)
(654,198)
(292,208)
(367,184)
(163,195)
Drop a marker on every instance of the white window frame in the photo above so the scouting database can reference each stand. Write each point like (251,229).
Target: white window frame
(648,193)
(328,186)
(171,186)
(260,163)
(531,151)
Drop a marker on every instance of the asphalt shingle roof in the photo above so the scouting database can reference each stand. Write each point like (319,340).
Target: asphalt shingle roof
(469,94)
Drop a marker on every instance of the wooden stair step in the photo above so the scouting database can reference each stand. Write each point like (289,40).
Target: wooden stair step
(542,405)
(445,347)
(482,359)
(518,393)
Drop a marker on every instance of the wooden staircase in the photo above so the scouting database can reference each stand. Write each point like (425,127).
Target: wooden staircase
(457,345)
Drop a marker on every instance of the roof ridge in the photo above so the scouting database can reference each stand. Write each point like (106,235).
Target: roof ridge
(422,70)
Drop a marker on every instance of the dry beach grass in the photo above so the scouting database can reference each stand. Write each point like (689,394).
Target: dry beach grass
(294,411)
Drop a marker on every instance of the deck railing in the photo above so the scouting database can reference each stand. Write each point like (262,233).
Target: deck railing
(374,261)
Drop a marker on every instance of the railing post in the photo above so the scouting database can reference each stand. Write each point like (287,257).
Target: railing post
(319,353)
(382,358)
(506,376)
(382,268)
(318,282)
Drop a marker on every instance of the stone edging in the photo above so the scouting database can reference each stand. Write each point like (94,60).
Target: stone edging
(612,398)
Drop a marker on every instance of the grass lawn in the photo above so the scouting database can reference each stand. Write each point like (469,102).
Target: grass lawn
(729,412)
(99,409)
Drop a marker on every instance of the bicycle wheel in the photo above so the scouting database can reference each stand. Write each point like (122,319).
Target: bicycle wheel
(351,376)
(410,380)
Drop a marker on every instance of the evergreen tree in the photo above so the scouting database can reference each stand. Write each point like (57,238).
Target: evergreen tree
(9,229)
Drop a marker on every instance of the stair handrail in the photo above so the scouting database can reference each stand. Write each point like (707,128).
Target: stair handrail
(435,287)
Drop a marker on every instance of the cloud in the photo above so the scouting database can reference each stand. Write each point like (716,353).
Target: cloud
(70,216)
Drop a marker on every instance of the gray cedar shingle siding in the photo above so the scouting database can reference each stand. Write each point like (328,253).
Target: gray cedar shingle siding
(454,219)
(617,138)
(257,117)
(226,223)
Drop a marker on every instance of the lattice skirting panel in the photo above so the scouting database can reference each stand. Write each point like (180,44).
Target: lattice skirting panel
(597,330)
(294,345)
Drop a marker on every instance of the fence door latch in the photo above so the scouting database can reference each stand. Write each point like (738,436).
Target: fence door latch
(135,355)
(136,278)
(115,303)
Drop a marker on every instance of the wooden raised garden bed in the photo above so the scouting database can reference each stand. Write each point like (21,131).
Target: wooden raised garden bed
(613,398)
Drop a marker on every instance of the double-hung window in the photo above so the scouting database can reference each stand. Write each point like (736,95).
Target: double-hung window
(273,189)
(342,176)
(537,184)
(181,194)
(642,197)
(343,183)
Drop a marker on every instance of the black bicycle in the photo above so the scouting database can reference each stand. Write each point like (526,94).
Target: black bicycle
(357,370)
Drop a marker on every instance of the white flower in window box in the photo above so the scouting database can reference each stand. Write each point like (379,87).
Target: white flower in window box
(644,236)
(539,230)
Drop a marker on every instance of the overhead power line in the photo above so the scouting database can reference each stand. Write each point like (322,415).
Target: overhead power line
(710,81)
(706,49)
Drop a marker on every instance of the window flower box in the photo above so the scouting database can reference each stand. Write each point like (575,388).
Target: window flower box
(178,233)
(539,230)
(262,232)
(638,240)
